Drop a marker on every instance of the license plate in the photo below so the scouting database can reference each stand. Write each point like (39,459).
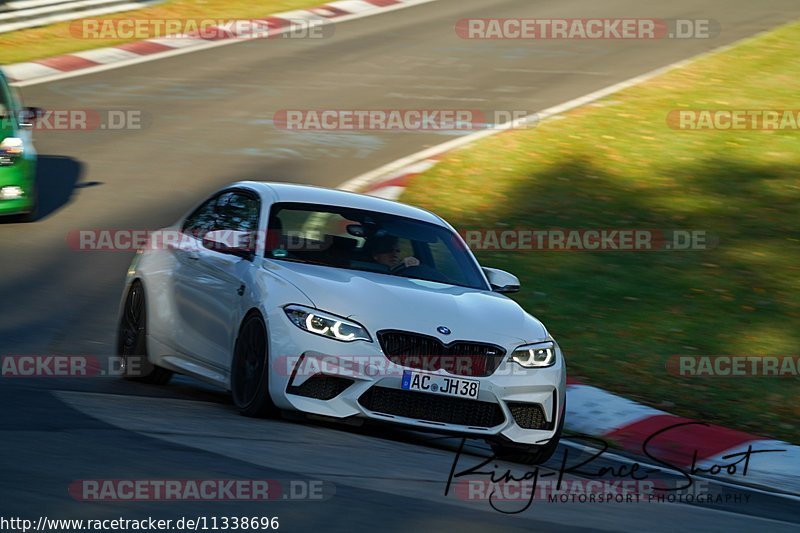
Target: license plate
(436,384)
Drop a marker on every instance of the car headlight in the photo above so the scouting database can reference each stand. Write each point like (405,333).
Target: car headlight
(326,324)
(10,149)
(538,355)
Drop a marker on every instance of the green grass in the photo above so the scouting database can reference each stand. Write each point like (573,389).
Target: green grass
(56,39)
(617,164)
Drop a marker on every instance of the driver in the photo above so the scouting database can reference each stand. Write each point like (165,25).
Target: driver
(385,250)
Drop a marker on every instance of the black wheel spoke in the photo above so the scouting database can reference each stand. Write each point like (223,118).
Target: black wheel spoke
(132,327)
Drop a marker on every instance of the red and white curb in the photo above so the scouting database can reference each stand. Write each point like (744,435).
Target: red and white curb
(100,59)
(593,411)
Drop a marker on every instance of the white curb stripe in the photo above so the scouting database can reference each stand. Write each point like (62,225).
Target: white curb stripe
(392,192)
(104,56)
(353,6)
(181,41)
(251,29)
(775,469)
(596,412)
(416,168)
(298,14)
(28,70)
(324,12)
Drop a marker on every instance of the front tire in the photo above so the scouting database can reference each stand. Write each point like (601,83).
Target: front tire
(250,370)
(132,341)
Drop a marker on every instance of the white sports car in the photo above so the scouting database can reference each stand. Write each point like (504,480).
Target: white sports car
(343,306)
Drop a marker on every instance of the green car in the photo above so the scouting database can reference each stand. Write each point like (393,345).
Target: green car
(18,193)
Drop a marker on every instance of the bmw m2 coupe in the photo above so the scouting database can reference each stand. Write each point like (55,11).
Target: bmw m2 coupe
(343,306)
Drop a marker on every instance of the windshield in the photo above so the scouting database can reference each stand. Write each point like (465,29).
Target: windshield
(370,241)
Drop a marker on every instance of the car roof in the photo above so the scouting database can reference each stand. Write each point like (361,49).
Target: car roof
(289,192)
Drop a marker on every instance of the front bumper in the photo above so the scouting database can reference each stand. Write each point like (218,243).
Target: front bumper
(335,379)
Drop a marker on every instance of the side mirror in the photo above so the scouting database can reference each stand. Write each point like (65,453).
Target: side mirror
(501,281)
(238,243)
(29,115)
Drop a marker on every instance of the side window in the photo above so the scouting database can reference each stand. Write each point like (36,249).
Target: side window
(237,211)
(230,210)
(202,220)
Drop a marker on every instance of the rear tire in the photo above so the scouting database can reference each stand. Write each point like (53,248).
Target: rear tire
(250,370)
(132,341)
(529,454)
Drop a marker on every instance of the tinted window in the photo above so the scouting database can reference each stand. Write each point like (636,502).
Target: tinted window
(232,210)
(202,220)
(236,211)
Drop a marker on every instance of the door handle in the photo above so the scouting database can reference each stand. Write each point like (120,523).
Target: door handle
(193,256)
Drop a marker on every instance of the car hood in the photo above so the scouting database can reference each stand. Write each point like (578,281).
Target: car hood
(380,301)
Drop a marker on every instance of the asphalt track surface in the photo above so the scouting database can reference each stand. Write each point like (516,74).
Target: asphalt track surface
(206,123)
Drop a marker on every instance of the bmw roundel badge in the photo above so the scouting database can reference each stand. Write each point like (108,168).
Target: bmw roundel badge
(443,330)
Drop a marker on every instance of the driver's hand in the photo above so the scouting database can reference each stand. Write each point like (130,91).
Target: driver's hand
(410,261)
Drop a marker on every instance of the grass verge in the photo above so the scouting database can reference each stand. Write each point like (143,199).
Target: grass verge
(56,39)
(617,164)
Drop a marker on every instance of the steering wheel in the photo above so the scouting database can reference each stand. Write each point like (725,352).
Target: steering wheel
(404,264)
